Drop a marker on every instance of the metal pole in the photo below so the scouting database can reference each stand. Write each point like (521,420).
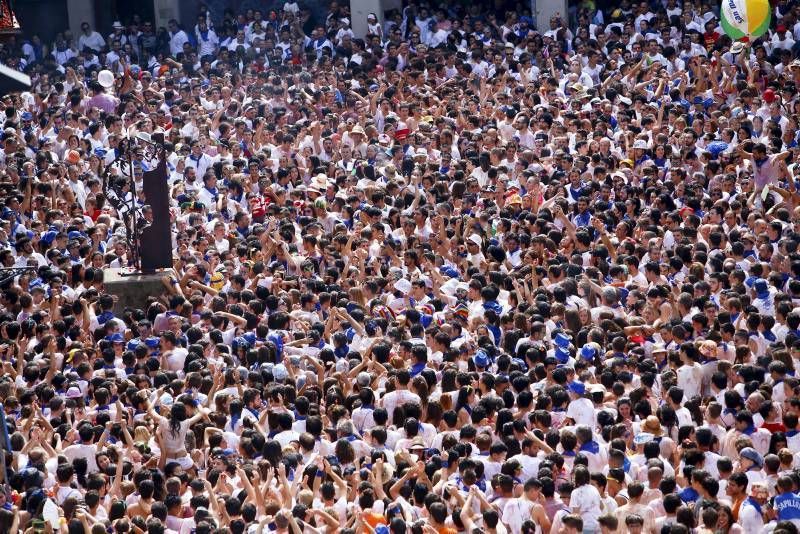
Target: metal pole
(134,220)
(6,443)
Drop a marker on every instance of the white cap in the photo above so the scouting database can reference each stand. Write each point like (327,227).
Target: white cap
(279,372)
(403,286)
(449,287)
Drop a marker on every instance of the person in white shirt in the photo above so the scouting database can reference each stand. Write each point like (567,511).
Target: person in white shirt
(177,38)
(763,300)
(286,434)
(207,40)
(400,395)
(62,52)
(344,30)
(208,195)
(690,374)
(200,161)
(781,39)
(744,427)
(580,409)
(235,43)
(90,39)
(175,356)
(675,398)
(81,446)
(362,416)
(585,500)
(65,474)
(594,452)
(518,510)
(751,516)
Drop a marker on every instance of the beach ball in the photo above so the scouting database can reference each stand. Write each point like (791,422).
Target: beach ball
(745,18)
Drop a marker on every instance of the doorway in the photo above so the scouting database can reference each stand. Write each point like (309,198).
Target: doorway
(123,11)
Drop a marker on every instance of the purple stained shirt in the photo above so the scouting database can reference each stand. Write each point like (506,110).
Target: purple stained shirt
(103,101)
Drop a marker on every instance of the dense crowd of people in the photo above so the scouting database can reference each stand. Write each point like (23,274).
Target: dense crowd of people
(454,276)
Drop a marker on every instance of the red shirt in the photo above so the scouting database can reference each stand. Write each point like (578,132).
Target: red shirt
(710,38)
(774,427)
(258,206)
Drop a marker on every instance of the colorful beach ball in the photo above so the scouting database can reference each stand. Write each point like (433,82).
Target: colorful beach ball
(745,18)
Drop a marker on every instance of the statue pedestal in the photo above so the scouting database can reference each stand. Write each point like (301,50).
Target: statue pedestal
(132,290)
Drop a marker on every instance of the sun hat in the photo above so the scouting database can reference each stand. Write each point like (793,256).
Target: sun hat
(658,347)
(652,425)
(403,286)
(318,183)
(753,455)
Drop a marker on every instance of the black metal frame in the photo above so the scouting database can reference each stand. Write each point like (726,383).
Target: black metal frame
(9,273)
(128,210)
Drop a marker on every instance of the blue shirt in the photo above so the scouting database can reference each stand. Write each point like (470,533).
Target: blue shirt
(688,495)
(788,506)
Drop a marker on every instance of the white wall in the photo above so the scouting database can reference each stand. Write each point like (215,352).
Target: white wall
(80,11)
(165,10)
(544,9)
(359,9)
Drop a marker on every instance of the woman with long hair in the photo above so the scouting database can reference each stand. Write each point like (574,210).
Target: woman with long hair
(172,431)
(726,524)
(463,407)
(625,413)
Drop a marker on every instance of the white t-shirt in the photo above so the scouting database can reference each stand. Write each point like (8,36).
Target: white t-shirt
(582,412)
(80,450)
(530,465)
(585,501)
(690,379)
(750,519)
(397,398)
(176,358)
(516,512)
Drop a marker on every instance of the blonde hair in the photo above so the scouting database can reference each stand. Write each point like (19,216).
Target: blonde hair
(127,488)
(305,497)
(357,296)
(141,434)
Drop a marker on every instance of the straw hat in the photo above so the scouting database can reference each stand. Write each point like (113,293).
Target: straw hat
(708,348)
(318,183)
(651,425)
